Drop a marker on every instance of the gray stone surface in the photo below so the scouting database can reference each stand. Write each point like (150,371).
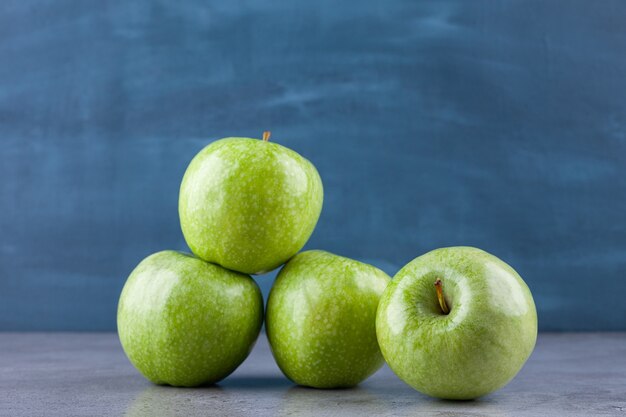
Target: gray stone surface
(87,374)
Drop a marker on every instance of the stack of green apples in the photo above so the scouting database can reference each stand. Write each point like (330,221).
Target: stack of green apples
(455,323)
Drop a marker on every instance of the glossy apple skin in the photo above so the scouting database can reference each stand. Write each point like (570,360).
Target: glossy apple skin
(185,322)
(320,320)
(479,346)
(249,205)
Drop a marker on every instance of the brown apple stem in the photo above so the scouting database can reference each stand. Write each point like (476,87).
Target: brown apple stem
(442,301)
(266,136)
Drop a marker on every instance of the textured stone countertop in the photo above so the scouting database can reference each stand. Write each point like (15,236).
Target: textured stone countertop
(87,374)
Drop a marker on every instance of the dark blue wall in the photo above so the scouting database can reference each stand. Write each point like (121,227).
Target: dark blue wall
(498,125)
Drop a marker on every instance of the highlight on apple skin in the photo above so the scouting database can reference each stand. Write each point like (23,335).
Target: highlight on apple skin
(249,205)
(475,347)
(185,322)
(320,320)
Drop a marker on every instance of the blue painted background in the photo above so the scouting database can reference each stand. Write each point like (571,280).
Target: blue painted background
(498,125)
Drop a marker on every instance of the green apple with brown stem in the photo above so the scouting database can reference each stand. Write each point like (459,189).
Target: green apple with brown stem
(456,323)
(249,205)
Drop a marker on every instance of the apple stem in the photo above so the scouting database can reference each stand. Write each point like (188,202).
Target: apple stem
(442,301)
(266,136)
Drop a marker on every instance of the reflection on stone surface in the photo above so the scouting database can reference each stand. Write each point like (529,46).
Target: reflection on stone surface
(365,401)
(414,403)
(268,393)
(302,401)
(166,401)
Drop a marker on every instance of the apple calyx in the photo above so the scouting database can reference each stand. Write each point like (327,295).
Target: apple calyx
(266,136)
(442,301)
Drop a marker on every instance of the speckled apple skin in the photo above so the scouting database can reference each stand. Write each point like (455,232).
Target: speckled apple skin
(320,320)
(249,205)
(185,322)
(479,346)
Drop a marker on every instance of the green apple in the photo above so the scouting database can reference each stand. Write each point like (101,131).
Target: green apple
(185,322)
(321,320)
(249,205)
(456,323)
